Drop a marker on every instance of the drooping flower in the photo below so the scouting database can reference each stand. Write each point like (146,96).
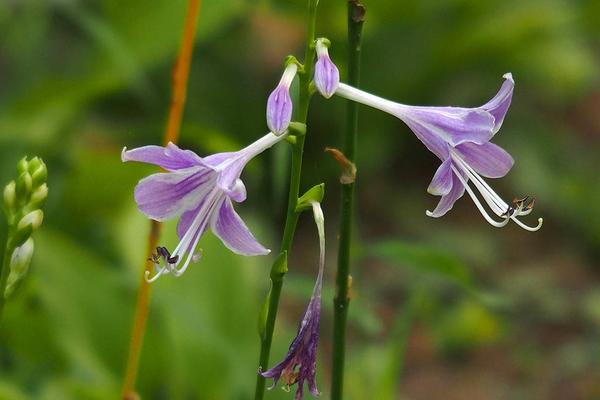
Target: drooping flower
(200,191)
(327,76)
(300,363)
(460,138)
(279,104)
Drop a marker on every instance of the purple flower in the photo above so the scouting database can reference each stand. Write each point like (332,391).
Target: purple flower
(279,104)
(327,76)
(300,363)
(460,137)
(200,191)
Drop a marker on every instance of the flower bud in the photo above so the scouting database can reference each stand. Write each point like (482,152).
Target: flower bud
(19,265)
(33,220)
(33,164)
(22,165)
(279,104)
(327,76)
(24,184)
(38,197)
(39,174)
(10,196)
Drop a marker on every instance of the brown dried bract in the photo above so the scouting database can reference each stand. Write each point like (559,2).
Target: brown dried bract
(348,175)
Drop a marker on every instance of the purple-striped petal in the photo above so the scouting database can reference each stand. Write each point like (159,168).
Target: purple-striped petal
(170,157)
(234,233)
(327,76)
(442,179)
(165,195)
(488,159)
(279,110)
(499,104)
(454,125)
(447,201)
(435,144)
(218,158)
(186,220)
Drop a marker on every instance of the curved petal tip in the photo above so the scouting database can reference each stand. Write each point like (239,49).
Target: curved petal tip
(124,157)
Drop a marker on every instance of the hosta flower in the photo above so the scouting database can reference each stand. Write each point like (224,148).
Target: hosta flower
(460,138)
(200,191)
(279,104)
(327,76)
(300,363)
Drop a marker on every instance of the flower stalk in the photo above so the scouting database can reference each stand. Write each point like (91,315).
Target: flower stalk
(22,200)
(180,79)
(291,220)
(356,13)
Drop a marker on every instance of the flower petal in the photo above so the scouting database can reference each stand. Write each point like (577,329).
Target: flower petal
(327,76)
(165,195)
(498,105)
(186,220)
(170,157)
(442,179)
(279,110)
(435,144)
(447,201)
(234,233)
(454,125)
(488,159)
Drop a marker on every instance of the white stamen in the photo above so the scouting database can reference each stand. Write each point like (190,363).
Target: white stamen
(527,227)
(478,204)
(156,276)
(214,202)
(495,202)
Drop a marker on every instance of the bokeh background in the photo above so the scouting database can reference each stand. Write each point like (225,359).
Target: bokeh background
(442,309)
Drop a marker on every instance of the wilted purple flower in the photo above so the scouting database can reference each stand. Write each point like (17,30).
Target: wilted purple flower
(300,363)
(199,190)
(460,138)
(327,76)
(279,104)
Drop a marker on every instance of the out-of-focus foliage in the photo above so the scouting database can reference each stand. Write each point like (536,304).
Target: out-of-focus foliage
(449,308)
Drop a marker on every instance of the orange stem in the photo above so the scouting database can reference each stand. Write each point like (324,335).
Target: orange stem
(181,71)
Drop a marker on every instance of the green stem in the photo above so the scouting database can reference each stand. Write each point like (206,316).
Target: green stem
(4,275)
(342,300)
(291,216)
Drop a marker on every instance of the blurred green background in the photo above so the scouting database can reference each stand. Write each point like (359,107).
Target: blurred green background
(442,309)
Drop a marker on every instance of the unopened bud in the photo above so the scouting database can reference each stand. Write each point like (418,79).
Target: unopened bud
(327,75)
(33,164)
(10,196)
(19,265)
(29,223)
(38,197)
(24,184)
(33,220)
(279,104)
(22,165)
(39,174)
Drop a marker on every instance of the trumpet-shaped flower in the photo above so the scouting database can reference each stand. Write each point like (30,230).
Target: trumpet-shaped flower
(460,138)
(200,191)
(300,363)
(279,104)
